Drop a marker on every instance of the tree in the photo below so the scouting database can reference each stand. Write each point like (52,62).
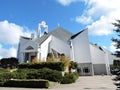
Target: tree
(9,62)
(116,40)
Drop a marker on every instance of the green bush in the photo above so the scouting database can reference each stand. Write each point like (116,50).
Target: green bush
(1,83)
(7,75)
(45,73)
(49,74)
(32,74)
(21,73)
(73,65)
(27,83)
(2,70)
(69,78)
(60,66)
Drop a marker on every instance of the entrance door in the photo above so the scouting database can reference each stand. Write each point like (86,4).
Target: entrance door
(33,58)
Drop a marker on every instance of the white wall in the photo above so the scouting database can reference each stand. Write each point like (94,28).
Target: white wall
(44,48)
(21,44)
(81,48)
(109,56)
(60,46)
(97,55)
(24,43)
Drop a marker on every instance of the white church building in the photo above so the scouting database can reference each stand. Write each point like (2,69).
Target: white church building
(92,59)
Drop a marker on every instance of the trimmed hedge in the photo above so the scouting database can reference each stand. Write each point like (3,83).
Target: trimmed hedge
(51,75)
(45,73)
(27,83)
(60,66)
(6,76)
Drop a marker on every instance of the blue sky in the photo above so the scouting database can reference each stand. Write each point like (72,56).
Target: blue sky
(21,17)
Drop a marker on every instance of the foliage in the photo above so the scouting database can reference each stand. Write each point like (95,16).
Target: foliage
(7,76)
(27,83)
(60,66)
(73,65)
(51,75)
(21,73)
(65,60)
(3,70)
(116,40)
(116,64)
(50,57)
(45,73)
(69,78)
(9,62)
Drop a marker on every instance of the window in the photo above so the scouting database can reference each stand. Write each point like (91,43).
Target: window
(86,70)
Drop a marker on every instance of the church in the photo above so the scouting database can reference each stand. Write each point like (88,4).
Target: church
(92,59)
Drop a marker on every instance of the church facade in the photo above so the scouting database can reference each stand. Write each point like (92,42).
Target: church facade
(92,59)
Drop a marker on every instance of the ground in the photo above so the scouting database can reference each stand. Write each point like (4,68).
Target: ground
(83,83)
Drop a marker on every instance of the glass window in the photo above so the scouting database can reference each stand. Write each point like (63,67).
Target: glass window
(86,70)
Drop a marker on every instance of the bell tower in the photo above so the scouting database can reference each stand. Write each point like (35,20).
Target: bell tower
(45,29)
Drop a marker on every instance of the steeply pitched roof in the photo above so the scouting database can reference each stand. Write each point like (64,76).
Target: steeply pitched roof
(62,34)
(41,39)
(75,35)
(59,33)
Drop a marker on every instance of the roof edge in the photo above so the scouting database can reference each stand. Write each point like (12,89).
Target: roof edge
(75,35)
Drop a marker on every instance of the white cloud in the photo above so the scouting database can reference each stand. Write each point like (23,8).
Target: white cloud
(100,27)
(84,20)
(99,14)
(10,32)
(9,35)
(67,2)
(5,53)
(112,47)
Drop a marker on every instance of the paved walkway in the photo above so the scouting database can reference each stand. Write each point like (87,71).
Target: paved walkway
(91,83)
(83,83)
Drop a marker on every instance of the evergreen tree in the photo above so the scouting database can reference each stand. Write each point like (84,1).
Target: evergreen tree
(117,39)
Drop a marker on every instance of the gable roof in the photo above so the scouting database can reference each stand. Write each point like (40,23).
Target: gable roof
(59,32)
(62,34)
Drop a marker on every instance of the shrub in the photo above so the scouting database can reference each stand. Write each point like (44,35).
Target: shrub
(44,73)
(60,66)
(32,74)
(27,83)
(2,70)
(73,65)
(21,73)
(6,76)
(51,75)
(1,82)
(69,78)
(50,57)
